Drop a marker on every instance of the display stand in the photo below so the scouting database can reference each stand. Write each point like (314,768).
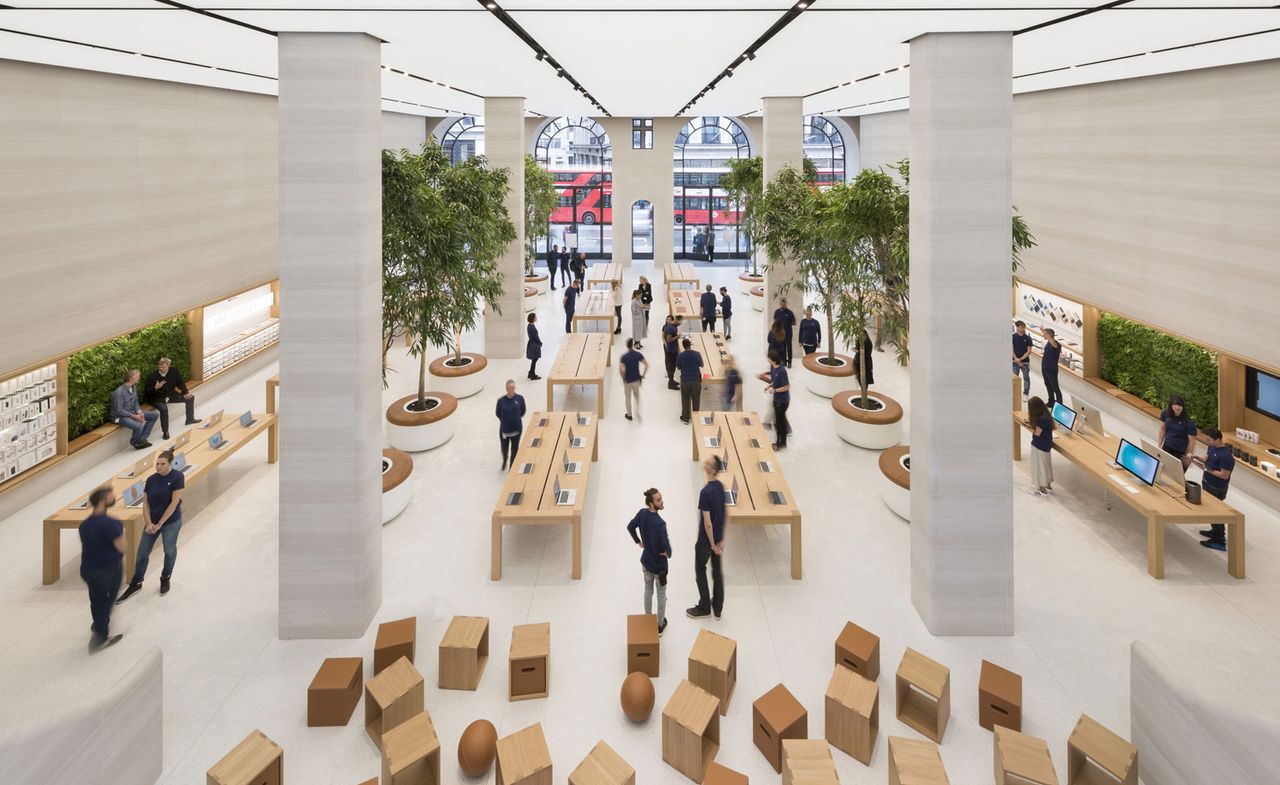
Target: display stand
(32,407)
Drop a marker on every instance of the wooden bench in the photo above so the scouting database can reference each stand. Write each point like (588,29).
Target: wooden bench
(594,307)
(526,498)
(743,440)
(581,360)
(683,273)
(604,275)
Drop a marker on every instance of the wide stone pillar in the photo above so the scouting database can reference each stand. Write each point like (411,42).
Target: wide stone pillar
(783,146)
(961,208)
(504,332)
(330,326)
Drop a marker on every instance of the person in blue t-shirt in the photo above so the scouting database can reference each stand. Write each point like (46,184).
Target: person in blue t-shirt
(649,531)
(510,413)
(780,386)
(101,564)
(732,385)
(1022,355)
(689,362)
(726,312)
(1218,465)
(162,514)
(570,303)
(810,332)
(712,517)
(670,348)
(633,368)
(1177,430)
(707,304)
(1042,440)
(553,261)
(1049,366)
(787,318)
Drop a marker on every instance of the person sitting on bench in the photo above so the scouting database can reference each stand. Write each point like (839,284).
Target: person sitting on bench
(125,411)
(164,386)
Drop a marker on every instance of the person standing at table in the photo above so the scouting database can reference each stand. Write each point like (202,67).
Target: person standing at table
(712,517)
(732,385)
(646,297)
(689,362)
(670,348)
(1177,430)
(162,516)
(787,318)
(639,318)
(632,367)
(1218,465)
(164,386)
(510,413)
(649,531)
(726,312)
(125,411)
(570,303)
(1042,440)
(780,386)
(616,291)
(533,348)
(553,261)
(810,332)
(1022,355)
(707,303)
(101,564)
(1049,367)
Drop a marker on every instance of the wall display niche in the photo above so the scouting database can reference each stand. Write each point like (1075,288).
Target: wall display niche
(28,420)
(1041,309)
(239,327)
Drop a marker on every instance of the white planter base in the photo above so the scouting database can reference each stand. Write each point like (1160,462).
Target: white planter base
(757,302)
(867,435)
(541,286)
(416,438)
(827,386)
(395,500)
(744,286)
(459,386)
(530,303)
(896,498)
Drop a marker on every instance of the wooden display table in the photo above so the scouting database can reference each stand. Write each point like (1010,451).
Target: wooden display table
(859,651)
(999,697)
(255,761)
(1161,505)
(526,498)
(852,714)
(395,639)
(690,730)
(687,304)
(604,275)
(581,360)
(714,352)
(808,762)
(464,650)
(713,666)
(763,494)
(1022,759)
(682,273)
(411,753)
(923,694)
(198,453)
(1096,756)
(643,653)
(913,762)
(529,663)
(392,697)
(523,758)
(603,766)
(594,306)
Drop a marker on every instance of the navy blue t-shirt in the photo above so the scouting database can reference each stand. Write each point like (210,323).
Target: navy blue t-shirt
(1178,433)
(708,303)
(731,381)
(1050,355)
(690,364)
(159,490)
(509,411)
(810,332)
(778,378)
(726,306)
(711,499)
(570,299)
(775,346)
(787,317)
(1045,440)
(670,330)
(631,366)
(648,529)
(1218,458)
(98,534)
(1021,345)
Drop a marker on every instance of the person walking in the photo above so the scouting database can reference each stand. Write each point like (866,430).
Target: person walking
(1022,355)
(565,272)
(810,332)
(510,412)
(570,303)
(639,319)
(711,246)
(102,564)
(670,348)
(777,340)
(1042,440)
(689,362)
(649,531)
(707,304)
(787,318)
(1218,465)
(712,518)
(553,261)
(1049,366)
(533,348)
(616,291)
(780,387)
(1177,430)
(726,312)
(732,385)
(646,297)
(164,386)
(632,367)
(125,411)
(162,516)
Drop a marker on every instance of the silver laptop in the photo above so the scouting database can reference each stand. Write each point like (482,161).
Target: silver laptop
(217,441)
(182,440)
(777,498)
(180,463)
(731,495)
(714,441)
(214,420)
(766,467)
(563,496)
(574,441)
(584,420)
(247,420)
(526,468)
(133,495)
(707,419)
(571,467)
(140,468)
(1171,470)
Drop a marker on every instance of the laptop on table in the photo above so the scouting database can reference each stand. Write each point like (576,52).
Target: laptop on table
(571,467)
(574,441)
(714,441)
(731,495)
(247,420)
(563,496)
(133,495)
(218,441)
(214,420)
(180,463)
(182,440)
(140,468)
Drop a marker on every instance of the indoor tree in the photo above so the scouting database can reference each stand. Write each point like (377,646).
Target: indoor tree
(744,183)
(443,228)
(540,198)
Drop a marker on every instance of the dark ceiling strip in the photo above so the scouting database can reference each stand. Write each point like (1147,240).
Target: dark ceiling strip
(1070,17)
(1219,40)
(647,9)
(219,17)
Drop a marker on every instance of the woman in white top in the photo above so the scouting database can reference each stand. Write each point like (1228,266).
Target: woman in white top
(639,318)
(617,306)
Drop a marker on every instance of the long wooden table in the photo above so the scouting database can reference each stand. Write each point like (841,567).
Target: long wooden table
(743,439)
(686,304)
(594,306)
(714,352)
(674,273)
(604,275)
(581,360)
(544,446)
(198,452)
(1160,505)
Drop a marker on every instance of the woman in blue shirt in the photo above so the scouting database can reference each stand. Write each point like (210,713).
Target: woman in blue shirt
(162,514)
(777,338)
(1042,441)
(1177,430)
(509,411)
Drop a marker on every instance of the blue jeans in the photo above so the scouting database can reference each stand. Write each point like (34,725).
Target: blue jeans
(141,430)
(1025,369)
(169,534)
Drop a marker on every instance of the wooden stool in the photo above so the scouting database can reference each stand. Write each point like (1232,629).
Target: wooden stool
(690,730)
(923,694)
(370,781)
(860,650)
(1094,750)
(808,762)
(529,662)
(255,761)
(603,766)
(642,644)
(775,716)
(411,753)
(713,666)
(396,639)
(999,697)
(1024,758)
(913,762)
(391,697)
(335,691)
(723,775)
(852,714)
(464,650)
(523,758)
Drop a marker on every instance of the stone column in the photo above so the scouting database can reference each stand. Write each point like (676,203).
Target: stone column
(783,146)
(504,332)
(961,268)
(330,323)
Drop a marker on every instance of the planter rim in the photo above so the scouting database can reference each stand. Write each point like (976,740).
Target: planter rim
(891,413)
(536,277)
(398,412)
(529,291)
(891,465)
(397,466)
(813,363)
(477,363)
(757,291)
(749,277)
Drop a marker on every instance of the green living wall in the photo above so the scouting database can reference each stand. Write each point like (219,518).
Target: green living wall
(1152,365)
(93,373)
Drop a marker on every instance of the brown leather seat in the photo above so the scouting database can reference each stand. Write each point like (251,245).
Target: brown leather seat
(891,465)
(398,415)
(891,413)
(438,367)
(401,467)
(757,291)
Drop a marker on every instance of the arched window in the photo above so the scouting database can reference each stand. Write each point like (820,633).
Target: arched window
(706,223)
(578,154)
(463,139)
(824,145)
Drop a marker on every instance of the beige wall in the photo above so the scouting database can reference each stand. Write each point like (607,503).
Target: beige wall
(882,139)
(403,131)
(643,174)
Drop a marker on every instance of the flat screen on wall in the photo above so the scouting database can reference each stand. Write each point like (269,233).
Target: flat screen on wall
(1262,392)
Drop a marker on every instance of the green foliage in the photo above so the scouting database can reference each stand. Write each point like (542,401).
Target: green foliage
(1153,365)
(540,199)
(744,183)
(93,373)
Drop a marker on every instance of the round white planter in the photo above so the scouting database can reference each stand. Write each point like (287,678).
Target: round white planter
(412,431)
(538,282)
(746,281)
(757,298)
(397,468)
(530,298)
(827,380)
(876,430)
(460,382)
(895,469)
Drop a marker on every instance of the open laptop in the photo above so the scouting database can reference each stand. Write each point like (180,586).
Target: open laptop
(571,467)
(714,441)
(182,440)
(180,463)
(563,496)
(214,420)
(731,495)
(777,498)
(584,420)
(217,441)
(724,459)
(707,419)
(766,467)
(526,468)
(1171,470)
(141,467)
(133,495)
(247,420)
(574,441)
(514,498)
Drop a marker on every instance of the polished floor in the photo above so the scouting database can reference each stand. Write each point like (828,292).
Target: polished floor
(1083,594)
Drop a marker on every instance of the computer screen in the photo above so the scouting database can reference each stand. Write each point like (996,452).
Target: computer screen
(1262,392)
(246,419)
(179,460)
(1137,462)
(1064,415)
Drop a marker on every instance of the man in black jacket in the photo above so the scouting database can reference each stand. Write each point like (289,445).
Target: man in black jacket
(164,386)
(553,261)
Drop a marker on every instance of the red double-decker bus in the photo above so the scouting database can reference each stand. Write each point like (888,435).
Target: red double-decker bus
(585,197)
(697,207)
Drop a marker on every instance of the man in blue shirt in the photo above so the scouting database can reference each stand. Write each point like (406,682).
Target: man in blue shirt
(1049,366)
(649,531)
(689,362)
(570,303)
(670,347)
(509,411)
(726,312)
(708,305)
(101,564)
(780,386)
(1217,466)
(125,411)
(632,367)
(787,318)
(1022,355)
(810,332)
(553,261)
(712,516)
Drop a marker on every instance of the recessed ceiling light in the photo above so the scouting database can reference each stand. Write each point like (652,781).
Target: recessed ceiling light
(802,5)
(491,6)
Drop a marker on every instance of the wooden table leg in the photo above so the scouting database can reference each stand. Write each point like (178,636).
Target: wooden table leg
(52,553)
(550,397)
(577,547)
(600,399)
(1017,441)
(1155,548)
(797,555)
(1235,548)
(132,534)
(495,544)
(273,441)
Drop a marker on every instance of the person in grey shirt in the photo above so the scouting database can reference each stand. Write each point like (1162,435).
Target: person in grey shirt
(639,319)
(126,412)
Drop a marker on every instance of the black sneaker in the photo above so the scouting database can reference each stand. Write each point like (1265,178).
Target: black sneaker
(1207,533)
(164,436)
(627,416)
(133,589)
(97,644)
(164,586)
(1214,545)
(672,386)
(139,445)
(534,378)
(193,422)
(146,444)
(717,615)
(662,626)
(697,613)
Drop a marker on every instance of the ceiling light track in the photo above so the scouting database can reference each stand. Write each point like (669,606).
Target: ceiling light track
(219,17)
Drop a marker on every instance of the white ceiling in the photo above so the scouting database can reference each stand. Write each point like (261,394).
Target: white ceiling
(637,57)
